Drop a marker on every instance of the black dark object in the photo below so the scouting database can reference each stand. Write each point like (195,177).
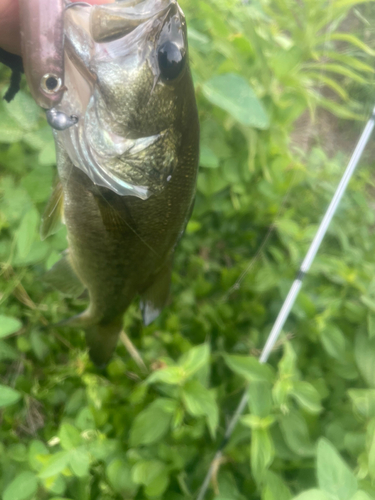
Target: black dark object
(171,60)
(14,62)
(52,83)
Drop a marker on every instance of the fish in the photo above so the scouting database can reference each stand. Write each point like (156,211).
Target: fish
(128,167)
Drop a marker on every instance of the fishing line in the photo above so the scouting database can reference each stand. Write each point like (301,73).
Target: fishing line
(295,288)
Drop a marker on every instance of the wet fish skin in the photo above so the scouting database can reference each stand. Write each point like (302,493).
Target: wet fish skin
(121,245)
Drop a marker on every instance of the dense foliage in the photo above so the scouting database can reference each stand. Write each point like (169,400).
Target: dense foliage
(70,432)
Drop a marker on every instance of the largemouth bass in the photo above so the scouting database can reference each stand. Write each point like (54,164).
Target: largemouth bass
(128,167)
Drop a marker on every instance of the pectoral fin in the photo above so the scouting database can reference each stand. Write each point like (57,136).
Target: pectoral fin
(112,219)
(155,297)
(53,213)
(62,277)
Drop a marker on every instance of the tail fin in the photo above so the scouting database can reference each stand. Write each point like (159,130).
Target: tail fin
(102,340)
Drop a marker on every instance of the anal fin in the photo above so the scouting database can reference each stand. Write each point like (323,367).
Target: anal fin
(155,297)
(63,277)
(53,213)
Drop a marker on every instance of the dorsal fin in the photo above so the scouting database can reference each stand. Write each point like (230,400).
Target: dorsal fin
(53,213)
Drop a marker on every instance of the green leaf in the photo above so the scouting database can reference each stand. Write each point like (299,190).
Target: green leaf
(287,364)
(334,342)
(361,495)
(39,138)
(352,39)
(27,233)
(260,398)
(7,352)
(208,158)
(340,70)
(312,495)
(69,436)
(9,325)
(370,448)
(262,453)
(85,419)
(371,325)
(151,424)
(232,93)
(38,183)
(334,476)
(10,131)
(296,434)
(8,396)
(307,396)
(157,487)
(39,344)
(17,452)
(275,488)
(329,82)
(146,471)
(103,448)
(338,110)
(55,484)
(22,487)
(249,368)
(210,183)
(195,359)
(173,375)
(199,401)
(363,401)
(37,455)
(60,498)
(255,422)
(56,464)
(24,111)
(120,478)
(47,156)
(364,355)
(79,461)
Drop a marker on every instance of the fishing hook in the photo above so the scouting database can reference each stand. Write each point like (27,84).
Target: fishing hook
(42,39)
(43,58)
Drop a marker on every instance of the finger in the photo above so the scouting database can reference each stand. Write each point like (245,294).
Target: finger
(10,26)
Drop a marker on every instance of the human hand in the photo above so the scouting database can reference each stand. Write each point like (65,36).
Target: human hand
(10,38)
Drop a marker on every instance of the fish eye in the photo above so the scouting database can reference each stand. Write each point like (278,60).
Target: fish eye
(51,83)
(171,60)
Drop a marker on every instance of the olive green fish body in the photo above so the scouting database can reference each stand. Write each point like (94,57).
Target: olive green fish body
(128,168)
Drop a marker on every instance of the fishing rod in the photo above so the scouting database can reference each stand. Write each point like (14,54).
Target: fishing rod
(294,290)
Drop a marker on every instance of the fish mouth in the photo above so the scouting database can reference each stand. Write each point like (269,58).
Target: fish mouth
(113,21)
(132,26)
